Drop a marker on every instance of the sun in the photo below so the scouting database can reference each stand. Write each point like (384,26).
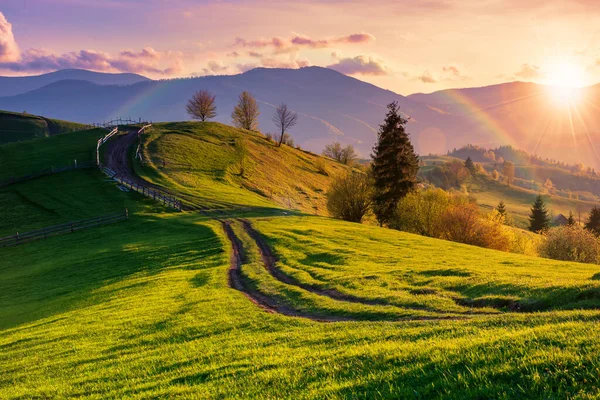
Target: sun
(564,81)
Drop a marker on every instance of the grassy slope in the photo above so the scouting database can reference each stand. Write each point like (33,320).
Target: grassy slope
(142,309)
(202,159)
(23,158)
(15,127)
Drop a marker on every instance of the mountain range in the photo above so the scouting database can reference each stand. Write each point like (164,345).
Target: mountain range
(332,106)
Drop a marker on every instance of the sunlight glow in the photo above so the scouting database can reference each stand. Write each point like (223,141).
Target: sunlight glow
(564,82)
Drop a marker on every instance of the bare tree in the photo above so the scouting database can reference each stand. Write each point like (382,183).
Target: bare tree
(284,119)
(345,155)
(245,114)
(202,106)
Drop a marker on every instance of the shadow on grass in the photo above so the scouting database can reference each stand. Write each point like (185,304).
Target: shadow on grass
(49,277)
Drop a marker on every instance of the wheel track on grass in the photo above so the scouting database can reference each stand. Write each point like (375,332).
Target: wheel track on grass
(117,158)
(269,261)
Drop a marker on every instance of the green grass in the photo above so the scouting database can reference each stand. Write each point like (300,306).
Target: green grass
(16,127)
(23,158)
(202,160)
(143,309)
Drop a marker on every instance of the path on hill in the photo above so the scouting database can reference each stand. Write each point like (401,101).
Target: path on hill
(117,157)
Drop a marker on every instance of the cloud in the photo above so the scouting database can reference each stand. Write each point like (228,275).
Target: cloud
(147,60)
(255,54)
(452,72)
(9,50)
(359,65)
(214,67)
(529,71)
(426,77)
(297,42)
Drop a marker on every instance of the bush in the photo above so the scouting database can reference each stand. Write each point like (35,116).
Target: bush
(451,216)
(321,166)
(571,243)
(287,139)
(349,197)
(450,175)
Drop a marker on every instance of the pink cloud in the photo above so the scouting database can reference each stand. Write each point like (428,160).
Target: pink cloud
(9,50)
(359,65)
(282,45)
(529,71)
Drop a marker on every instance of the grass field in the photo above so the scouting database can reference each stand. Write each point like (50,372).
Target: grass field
(203,161)
(144,308)
(23,158)
(15,127)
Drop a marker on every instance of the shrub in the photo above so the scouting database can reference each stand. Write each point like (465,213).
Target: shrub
(269,137)
(450,175)
(349,197)
(451,216)
(287,139)
(321,166)
(571,243)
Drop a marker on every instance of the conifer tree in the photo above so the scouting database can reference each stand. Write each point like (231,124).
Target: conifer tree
(593,221)
(470,165)
(501,208)
(538,219)
(571,219)
(395,165)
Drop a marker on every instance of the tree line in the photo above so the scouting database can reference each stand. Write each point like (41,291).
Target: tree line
(202,106)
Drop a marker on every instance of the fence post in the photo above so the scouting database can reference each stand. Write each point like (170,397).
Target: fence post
(72,227)
(126,213)
(17,236)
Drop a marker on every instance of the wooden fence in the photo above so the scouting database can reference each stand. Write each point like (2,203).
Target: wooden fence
(46,172)
(61,229)
(138,152)
(119,121)
(152,193)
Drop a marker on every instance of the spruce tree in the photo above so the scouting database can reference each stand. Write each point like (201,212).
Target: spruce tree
(571,219)
(538,219)
(470,165)
(501,208)
(593,221)
(395,165)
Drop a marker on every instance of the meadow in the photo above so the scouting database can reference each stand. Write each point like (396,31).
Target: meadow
(144,308)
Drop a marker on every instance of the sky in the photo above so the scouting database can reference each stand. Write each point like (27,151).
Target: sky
(404,46)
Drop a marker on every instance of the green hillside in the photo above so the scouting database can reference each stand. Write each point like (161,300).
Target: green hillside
(16,127)
(146,308)
(202,161)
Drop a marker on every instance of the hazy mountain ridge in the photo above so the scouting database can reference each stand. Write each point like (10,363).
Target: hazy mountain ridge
(11,86)
(334,106)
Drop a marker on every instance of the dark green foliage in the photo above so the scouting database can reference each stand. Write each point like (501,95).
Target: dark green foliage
(395,165)
(450,175)
(470,165)
(538,219)
(501,208)
(571,219)
(593,221)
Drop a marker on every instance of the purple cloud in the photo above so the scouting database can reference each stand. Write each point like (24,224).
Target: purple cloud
(359,65)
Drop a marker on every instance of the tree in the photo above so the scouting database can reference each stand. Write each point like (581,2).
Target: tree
(538,219)
(571,220)
(395,165)
(593,222)
(284,119)
(202,106)
(245,114)
(350,197)
(509,172)
(470,165)
(501,208)
(346,155)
